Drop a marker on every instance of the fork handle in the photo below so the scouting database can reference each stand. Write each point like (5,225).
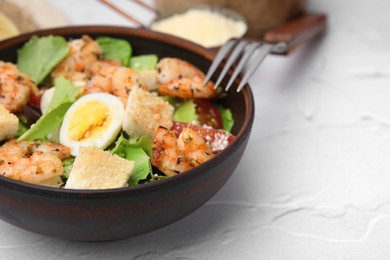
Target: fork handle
(297,32)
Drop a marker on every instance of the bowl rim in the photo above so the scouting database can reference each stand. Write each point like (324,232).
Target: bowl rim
(66,31)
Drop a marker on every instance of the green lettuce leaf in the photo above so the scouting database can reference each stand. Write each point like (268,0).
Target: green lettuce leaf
(186,113)
(173,101)
(227,118)
(46,124)
(138,151)
(22,125)
(115,49)
(65,94)
(143,62)
(67,164)
(38,57)
(156,177)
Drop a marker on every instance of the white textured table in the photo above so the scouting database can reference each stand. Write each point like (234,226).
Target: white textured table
(315,180)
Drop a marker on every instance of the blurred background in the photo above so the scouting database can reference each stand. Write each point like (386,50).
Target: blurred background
(18,16)
(314,183)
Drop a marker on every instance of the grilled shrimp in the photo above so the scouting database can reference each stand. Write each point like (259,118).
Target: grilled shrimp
(39,163)
(182,79)
(116,80)
(173,156)
(15,87)
(194,146)
(166,154)
(83,54)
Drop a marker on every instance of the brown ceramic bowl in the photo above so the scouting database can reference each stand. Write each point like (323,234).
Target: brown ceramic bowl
(100,215)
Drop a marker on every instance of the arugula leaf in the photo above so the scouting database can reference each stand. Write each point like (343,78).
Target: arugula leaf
(65,94)
(115,49)
(38,57)
(138,151)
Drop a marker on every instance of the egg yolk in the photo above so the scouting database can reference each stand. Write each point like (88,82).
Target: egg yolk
(89,120)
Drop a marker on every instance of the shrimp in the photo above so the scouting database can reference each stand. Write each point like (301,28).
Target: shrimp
(182,79)
(173,156)
(15,87)
(166,155)
(39,163)
(116,80)
(77,65)
(194,146)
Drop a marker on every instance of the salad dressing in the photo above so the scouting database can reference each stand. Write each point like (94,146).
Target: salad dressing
(202,26)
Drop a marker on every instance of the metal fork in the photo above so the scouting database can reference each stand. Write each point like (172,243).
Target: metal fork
(247,55)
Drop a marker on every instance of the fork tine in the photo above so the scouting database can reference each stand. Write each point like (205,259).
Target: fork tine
(257,60)
(220,56)
(247,54)
(232,58)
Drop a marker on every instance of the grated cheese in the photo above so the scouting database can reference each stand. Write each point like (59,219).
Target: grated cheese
(201,26)
(218,142)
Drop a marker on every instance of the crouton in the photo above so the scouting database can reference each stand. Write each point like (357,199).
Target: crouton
(98,169)
(145,112)
(9,124)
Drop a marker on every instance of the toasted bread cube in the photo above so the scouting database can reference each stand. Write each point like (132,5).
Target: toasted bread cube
(98,169)
(9,124)
(145,112)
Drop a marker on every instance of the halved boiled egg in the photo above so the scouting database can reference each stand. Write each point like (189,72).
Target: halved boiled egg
(93,120)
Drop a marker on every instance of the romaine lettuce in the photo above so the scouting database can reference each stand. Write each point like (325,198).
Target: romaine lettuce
(40,55)
(139,151)
(186,113)
(115,49)
(143,62)
(227,118)
(67,164)
(64,95)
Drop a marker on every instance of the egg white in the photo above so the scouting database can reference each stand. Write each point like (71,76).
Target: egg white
(116,111)
(46,99)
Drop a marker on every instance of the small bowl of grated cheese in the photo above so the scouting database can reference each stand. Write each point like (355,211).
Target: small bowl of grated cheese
(208,26)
